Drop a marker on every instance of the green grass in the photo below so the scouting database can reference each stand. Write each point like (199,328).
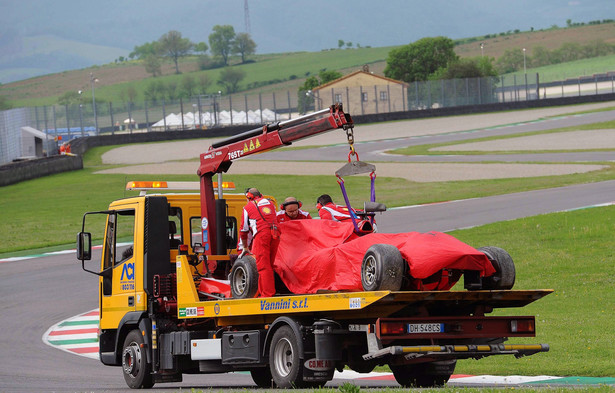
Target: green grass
(573,253)
(571,69)
(266,68)
(430,149)
(50,209)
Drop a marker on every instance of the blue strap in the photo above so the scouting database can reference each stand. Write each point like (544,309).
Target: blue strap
(353,216)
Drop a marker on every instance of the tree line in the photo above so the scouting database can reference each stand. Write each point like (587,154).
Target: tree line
(512,59)
(223,42)
(433,58)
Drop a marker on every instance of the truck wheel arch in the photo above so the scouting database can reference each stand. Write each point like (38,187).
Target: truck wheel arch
(295,325)
(133,320)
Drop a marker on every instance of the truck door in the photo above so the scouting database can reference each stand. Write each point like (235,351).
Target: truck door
(118,289)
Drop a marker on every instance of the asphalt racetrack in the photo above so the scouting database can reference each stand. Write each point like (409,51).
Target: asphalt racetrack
(38,293)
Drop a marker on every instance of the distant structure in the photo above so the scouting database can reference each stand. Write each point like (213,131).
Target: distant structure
(246,12)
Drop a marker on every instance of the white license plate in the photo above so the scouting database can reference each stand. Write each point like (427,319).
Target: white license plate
(415,328)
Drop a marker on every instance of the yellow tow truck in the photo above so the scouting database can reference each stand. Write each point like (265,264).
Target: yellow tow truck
(165,309)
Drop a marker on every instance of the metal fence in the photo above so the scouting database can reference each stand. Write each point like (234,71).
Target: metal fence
(203,112)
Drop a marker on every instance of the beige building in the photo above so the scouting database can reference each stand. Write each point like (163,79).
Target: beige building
(362,93)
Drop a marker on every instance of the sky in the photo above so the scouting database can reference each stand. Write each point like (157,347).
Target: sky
(42,35)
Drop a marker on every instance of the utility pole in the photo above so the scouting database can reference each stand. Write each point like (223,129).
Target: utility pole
(92,81)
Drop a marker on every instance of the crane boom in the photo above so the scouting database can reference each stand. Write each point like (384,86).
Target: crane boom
(219,157)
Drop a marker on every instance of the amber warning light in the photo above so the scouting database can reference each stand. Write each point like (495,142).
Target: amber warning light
(172,185)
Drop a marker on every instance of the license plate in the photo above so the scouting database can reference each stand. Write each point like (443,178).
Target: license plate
(415,328)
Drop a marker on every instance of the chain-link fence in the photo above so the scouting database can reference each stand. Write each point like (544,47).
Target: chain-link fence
(65,122)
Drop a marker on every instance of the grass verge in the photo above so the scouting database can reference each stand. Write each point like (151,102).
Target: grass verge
(573,253)
(430,149)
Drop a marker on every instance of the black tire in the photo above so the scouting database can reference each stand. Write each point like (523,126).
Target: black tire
(424,375)
(137,371)
(284,361)
(504,276)
(382,268)
(262,377)
(244,278)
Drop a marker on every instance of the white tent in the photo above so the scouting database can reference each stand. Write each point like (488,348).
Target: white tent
(172,121)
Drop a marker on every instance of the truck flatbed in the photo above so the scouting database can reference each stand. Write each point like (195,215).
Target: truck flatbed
(342,305)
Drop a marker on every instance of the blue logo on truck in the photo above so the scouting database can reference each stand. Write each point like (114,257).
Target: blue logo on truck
(127,279)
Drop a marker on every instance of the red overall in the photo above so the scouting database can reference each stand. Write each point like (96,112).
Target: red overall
(334,212)
(264,246)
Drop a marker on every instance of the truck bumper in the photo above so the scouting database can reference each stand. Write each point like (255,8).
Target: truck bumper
(458,351)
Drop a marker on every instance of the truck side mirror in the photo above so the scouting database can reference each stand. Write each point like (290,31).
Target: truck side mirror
(84,246)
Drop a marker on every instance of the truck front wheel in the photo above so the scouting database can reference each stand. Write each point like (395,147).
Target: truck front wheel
(137,372)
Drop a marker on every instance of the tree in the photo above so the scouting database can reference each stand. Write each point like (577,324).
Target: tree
(154,91)
(201,47)
(569,51)
(230,78)
(188,86)
(244,45)
(69,98)
(340,44)
(510,61)
(170,90)
(174,46)
(145,50)
(221,41)
(597,48)
(152,65)
(416,61)
(477,67)
(304,99)
(131,94)
(203,83)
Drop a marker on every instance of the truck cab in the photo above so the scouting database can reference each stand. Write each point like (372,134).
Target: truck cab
(143,236)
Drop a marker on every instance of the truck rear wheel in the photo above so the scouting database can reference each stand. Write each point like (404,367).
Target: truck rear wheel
(284,362)
(504,276)
(262,377)
(424,375)
(244,278)
(137,371)
(382,268)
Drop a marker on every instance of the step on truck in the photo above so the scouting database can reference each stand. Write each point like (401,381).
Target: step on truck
(172,291)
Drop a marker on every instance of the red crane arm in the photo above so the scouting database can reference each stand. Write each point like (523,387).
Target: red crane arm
(221,155)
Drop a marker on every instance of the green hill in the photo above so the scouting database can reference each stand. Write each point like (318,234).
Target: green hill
(287,71)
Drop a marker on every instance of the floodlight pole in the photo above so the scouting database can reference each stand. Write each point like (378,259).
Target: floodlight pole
(92,81)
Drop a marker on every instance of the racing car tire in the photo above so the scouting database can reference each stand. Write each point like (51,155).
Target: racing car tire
(382,268)
(244,278)
(504,276)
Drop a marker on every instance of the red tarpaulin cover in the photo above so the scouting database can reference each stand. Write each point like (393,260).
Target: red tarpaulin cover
(327,255)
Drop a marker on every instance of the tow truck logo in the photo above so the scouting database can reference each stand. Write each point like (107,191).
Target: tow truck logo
(127,279)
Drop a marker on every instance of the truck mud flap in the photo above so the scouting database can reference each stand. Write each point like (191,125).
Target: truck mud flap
(459,351)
